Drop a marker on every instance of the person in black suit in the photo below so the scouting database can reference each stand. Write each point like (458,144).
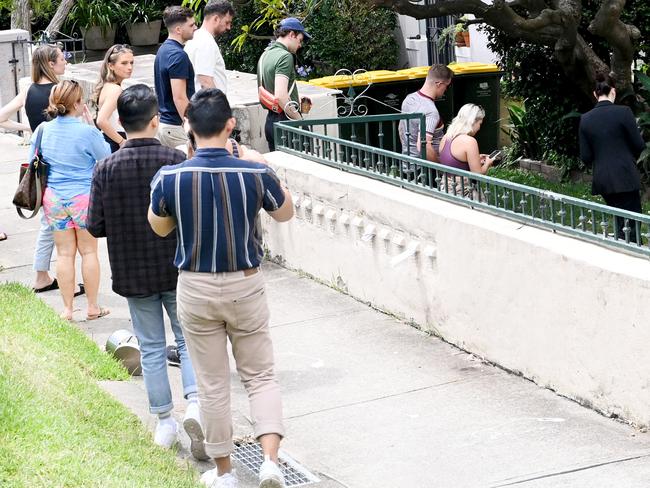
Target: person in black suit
(611,142)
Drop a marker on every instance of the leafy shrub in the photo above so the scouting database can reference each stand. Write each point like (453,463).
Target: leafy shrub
(351,34)
(552,99)
(346,34)
(534,76)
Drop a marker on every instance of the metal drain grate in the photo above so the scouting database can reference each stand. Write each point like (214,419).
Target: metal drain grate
(250,455)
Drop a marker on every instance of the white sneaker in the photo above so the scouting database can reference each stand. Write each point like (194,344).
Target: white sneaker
(166,433)
(192,425)
(270,475)
(211,479)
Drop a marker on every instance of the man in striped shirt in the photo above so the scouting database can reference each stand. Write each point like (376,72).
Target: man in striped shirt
(213,201)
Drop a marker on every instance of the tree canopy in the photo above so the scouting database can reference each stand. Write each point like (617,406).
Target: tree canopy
(554,23)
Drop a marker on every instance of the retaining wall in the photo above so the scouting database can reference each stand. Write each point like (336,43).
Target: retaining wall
(564,313)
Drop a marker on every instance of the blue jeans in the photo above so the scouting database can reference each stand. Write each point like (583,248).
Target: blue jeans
(44,246)
(149,328)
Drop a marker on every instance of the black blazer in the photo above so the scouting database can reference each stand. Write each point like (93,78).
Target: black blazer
(610,141)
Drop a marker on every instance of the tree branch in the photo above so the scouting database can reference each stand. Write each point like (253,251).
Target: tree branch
(59,17)
(607,24)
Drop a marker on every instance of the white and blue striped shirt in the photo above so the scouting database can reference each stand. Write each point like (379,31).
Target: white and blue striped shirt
(215,199)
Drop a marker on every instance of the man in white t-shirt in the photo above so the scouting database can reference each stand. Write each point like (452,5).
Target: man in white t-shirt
(422,101)
(204,53)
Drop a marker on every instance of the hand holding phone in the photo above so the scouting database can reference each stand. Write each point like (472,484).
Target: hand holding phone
(494,155)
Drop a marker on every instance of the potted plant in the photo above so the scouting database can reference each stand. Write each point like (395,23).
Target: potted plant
(143,22)
(456,33)
(96,19)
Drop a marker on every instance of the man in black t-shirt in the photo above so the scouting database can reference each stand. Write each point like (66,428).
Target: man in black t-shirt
(174,75)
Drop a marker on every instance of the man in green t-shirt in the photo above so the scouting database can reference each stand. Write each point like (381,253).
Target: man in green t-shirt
(276,73)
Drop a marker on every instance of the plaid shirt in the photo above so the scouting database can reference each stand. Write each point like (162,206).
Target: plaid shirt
(141,262)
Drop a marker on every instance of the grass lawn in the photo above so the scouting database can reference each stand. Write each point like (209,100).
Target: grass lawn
(577,190)
(58,428)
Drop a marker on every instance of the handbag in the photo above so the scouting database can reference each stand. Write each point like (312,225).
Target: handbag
(32,182)
(268,99)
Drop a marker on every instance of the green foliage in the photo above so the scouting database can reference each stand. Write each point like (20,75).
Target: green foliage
(523,134)
(534,76)
(239,56)
(522,177)
(41,13)
(141,11)
(101,13)
(59,427)
(644,122)
(335,25)
(244,59)
(553,100)
(352,35)
(271,12)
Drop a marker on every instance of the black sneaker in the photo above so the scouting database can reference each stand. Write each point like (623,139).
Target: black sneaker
(173,359)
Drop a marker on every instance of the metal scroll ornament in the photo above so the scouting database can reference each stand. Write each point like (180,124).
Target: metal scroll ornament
(349,103)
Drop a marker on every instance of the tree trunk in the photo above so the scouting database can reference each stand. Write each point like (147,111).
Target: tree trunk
(20,16)
(59,18)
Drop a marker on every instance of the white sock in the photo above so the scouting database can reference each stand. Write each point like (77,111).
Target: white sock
(166,419)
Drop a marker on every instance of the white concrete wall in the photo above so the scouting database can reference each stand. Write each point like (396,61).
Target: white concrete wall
(569,315)
(11,46)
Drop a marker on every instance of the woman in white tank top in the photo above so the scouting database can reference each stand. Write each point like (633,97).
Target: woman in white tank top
(117,66)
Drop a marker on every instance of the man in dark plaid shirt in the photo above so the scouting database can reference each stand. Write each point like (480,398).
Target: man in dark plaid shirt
(141,262)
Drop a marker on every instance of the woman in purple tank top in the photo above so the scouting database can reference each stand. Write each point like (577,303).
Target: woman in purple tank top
(459,149)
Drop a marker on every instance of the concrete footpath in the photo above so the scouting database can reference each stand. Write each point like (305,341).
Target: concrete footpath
(372,402)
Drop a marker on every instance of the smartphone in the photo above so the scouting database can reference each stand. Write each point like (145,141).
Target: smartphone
(494,155)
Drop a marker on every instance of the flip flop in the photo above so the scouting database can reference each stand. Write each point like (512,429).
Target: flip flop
(81,291)
(3,236)
(103,312)
(52,286)
(69,319)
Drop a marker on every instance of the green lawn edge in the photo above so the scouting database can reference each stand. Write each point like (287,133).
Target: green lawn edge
(58,427)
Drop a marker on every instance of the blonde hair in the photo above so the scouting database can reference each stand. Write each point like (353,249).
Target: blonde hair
(63,97)
(105,73)
(41,59)
(465,120)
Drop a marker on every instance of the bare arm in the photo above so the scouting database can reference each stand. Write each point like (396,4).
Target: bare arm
(282,92)
(432,155)
(478,163)
(11,108)
(206,81)
(161,225)
(108,105)
(179,93)
(285,212)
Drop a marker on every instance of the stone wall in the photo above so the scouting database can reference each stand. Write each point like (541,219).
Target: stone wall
(567,314)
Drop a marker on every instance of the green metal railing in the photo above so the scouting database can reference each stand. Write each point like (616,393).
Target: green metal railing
(332,142)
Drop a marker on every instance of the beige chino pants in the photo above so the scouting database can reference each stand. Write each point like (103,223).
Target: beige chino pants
(215,307)
(171,135)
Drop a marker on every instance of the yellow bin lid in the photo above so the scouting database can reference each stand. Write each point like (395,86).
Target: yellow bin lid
(416,72)
(473,67)
(338,81)
(361,79)
(379,76)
